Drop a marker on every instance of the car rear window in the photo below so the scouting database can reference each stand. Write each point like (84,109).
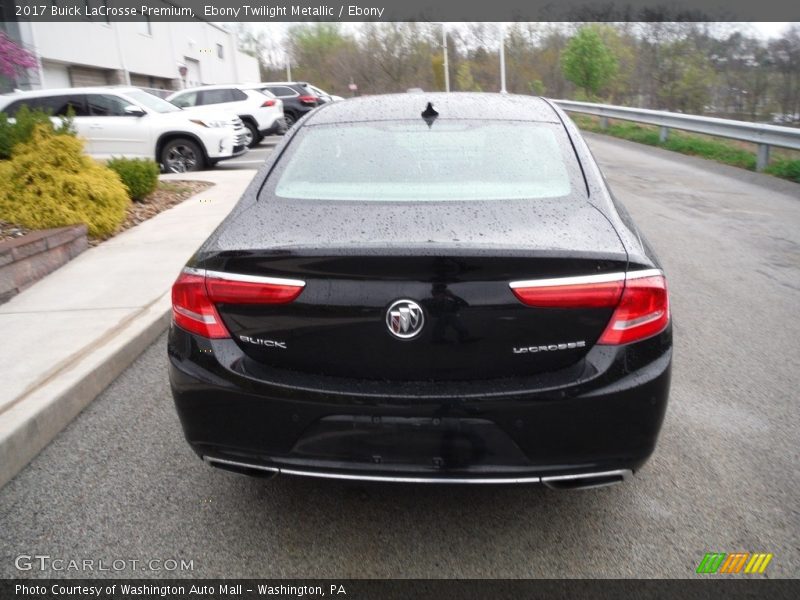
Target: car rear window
(282,91)
(411,161)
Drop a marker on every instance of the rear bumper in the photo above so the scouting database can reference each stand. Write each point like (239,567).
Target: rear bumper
(604,422)
(593,479)
(277,128)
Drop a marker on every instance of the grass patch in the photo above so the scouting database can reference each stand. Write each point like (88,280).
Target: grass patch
(722,151)
(787,169)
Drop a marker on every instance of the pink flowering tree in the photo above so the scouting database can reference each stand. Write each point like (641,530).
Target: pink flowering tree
(14,60)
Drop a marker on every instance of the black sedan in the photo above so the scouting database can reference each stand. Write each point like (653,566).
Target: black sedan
(412,291)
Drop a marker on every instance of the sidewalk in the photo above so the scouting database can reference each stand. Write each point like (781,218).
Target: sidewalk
(68,336)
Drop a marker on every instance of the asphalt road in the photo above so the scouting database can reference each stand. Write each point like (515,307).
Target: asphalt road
(120,482)
(253,158)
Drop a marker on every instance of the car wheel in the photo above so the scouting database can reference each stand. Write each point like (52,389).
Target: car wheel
(290,120)
(181,156)
(251,136)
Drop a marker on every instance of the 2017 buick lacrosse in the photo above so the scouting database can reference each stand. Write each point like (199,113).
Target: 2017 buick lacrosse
(435,288)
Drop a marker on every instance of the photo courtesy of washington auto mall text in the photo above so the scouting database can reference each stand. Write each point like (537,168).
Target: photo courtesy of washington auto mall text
(177,590)
(399,299)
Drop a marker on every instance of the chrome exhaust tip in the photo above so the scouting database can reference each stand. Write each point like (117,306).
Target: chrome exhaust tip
(586,481)
(248,469)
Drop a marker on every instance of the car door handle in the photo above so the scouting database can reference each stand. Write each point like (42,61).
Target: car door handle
(95,126)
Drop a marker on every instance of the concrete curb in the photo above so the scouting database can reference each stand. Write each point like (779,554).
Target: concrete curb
(29,426)
(100,312)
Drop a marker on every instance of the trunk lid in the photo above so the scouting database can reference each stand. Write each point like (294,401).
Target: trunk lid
(358,263)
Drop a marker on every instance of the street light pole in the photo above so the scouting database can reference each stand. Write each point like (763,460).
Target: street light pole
(446,66)
(503,59)
(288,70)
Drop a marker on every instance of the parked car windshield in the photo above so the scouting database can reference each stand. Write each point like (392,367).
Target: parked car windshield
(410,161)
(152,102)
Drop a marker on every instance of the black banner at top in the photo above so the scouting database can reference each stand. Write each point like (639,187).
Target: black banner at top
(399,10)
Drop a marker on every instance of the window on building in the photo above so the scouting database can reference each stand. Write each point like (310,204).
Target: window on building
(220,51)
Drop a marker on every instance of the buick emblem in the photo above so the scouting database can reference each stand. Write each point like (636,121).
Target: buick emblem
(405,319)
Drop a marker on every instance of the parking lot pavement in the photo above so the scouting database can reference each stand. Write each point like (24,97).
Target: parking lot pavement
(253,158)
(120,482)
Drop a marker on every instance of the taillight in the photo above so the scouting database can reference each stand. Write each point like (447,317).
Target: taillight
(196,293)
(193,310)
(639,299)
(308,99)
(592,291)
(643,311)
(268,103)
(229,288)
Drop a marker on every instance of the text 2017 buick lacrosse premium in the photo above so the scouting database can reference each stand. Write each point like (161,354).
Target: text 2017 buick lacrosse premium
(434,288)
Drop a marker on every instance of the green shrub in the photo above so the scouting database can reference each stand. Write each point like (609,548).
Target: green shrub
(20,129)
(786,168)
(140,176)
(50,182)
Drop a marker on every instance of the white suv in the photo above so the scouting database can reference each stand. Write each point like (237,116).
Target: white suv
(129,122)
(261,112)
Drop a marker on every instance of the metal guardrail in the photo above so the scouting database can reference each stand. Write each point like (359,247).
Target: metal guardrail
(757,133)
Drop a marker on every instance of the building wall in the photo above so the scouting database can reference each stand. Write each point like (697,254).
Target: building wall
(93,51)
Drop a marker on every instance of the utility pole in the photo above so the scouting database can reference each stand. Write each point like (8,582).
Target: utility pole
(288,70)
(446,66)
(503,59)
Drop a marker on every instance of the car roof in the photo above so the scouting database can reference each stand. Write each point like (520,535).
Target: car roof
(73,90)
(283,83)
(454,105)
(216,86)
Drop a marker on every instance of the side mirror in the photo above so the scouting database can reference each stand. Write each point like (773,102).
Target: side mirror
(134,111)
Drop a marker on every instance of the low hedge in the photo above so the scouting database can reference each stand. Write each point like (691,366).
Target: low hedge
(140,176)
(50,182)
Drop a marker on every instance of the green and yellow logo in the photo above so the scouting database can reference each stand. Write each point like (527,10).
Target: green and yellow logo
(737,562)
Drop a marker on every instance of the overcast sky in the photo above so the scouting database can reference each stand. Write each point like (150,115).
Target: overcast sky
(277,31)
(765,30)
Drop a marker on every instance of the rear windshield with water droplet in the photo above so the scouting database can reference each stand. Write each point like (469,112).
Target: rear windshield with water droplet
(412,161)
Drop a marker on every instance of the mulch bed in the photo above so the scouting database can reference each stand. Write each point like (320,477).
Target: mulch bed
(11,231)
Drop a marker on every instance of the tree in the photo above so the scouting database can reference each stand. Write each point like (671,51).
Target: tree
(588,62)
(465,80)
(317,52)
(14,60)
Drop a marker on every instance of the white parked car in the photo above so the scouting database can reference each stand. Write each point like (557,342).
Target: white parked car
(132,123)
(261,112)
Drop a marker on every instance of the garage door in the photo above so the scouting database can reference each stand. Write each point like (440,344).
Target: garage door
(55,75)
(86,76)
